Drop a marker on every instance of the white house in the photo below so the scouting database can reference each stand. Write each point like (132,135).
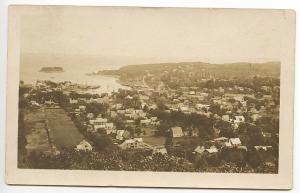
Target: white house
(73,101)
(211,150)
(110,131)
(132,143)
(239,119)
(119,106)
(199,149)
(200,106)
(109,125)
(161,150)
(84,145)
(145,121)
(225,117)
(235,142)
(82,107)
(100,121)
(176,132)
(50,102)
(120,134)
(90,115)
(261,147)
(129,97)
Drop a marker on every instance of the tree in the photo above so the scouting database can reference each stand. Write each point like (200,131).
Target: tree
(96,108)
(253,158)
(226,129)
(103,143)
(200,162)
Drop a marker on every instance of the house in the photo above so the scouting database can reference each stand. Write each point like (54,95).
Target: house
(122,134)
(192,93)
(225,117)
(201,106)
(97,127)
(211,150)
(132,143)
(119,135)
(267,97)
(153,119)
(144,97)
(109,125)
(110,131)
(216,116)
(222,90)
(34,103)
(254,117)
(100,121)
(129,97)
(242,147)
(176,132)
(145,122)
(239,119)
(82,107)
(235,142)
(262,148)
(50,102)
(153,107)
(129,121)
(119,111)
(143,105)
(228,144)
(84,145)
(119,106)
(159,150)
(220,140)
(184,109)
(199,149)
(73,101)
(129,111)
(113,114)
(266,134)
(132,115)
(90,115)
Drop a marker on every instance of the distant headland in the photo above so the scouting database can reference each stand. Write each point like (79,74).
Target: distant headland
(51,69)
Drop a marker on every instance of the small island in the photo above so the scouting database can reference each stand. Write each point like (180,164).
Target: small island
(51,69)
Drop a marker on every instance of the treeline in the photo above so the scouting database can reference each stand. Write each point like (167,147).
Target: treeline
(250,85)
(175,75)
(125,160)
(143,160)
(227,70)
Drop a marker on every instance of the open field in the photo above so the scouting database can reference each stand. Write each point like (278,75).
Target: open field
(36,134)
(62,131)
(155,141)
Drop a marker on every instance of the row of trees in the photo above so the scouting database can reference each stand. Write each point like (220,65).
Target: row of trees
(143,160)
(129,160)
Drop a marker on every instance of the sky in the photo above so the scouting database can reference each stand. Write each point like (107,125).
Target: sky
(121,36)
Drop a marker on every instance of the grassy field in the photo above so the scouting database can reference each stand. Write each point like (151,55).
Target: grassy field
(156,141)
(62,131)
(35,133)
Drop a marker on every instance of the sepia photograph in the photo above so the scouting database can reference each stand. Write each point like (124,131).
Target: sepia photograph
(155,91)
